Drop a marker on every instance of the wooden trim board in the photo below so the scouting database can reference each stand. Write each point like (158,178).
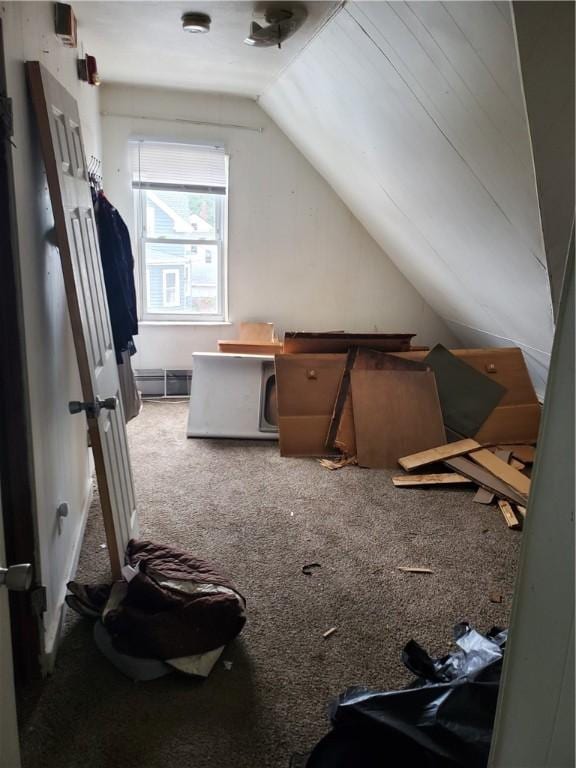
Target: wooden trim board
(482,495)
(508,514)
(445,478)
(501,469)
(433,455)
(485,479)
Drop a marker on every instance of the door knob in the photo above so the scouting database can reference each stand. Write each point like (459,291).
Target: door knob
(17,578)
(93,409)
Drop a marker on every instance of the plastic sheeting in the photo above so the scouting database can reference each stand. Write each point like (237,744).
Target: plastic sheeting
(443,719)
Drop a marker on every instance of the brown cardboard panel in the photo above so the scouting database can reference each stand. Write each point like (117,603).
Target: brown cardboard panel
(257,332)
(307,386)
(505,365)
(301,436)
(511,423)
(342,424)
(395,413)
(300,342)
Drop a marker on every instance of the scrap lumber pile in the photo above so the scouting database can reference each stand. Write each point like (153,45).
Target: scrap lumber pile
(372,399)
(496,471)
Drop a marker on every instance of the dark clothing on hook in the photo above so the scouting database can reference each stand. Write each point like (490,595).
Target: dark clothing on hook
(118,267)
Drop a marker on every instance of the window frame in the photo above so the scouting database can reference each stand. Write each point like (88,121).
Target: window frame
(220,242)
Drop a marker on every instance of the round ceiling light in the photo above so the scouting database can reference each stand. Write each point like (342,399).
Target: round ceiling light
(196,22)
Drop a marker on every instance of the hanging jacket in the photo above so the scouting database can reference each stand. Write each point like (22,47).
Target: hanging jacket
(118,267)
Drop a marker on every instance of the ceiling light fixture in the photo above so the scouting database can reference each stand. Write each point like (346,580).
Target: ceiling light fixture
(196,22)
(282,23)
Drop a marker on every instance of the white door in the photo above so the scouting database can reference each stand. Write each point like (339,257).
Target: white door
(19,577)
(60,135)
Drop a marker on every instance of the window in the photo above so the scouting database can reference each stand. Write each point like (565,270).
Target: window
(171,288)
(180,194)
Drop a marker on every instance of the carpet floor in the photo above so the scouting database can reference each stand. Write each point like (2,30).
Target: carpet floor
(263,517)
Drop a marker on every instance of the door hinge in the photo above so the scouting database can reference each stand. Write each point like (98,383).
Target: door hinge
(6,117)
(38,600)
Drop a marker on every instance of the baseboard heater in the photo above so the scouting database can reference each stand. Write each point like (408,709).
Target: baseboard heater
(163,382)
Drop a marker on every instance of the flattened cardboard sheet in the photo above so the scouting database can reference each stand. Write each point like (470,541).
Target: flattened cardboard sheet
(396,413)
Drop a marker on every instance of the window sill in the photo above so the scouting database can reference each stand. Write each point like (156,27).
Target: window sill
(202,323)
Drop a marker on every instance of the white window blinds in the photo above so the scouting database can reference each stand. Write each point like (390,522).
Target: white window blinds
(178,166)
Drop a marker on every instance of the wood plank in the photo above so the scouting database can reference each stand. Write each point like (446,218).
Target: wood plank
(483,496)
(485,479)
(343,393)
(517,464)
(521,509)
(395,412)
(508,513)
(524,453)
(238,347)
(257,332)
(445,478)
(303,342)
(501,469)
(439,453)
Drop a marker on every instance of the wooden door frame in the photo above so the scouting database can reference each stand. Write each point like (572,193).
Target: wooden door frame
(16,462)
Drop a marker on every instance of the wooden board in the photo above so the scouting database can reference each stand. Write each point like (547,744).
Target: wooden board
(508,514)
(501,469)
(445,478)
(341,433)
(395,412)
(62,148)
(342,396)
(484,478)
(438,453)
(524,453)
(482,495)
(250,348)
(302,342)
(257,332)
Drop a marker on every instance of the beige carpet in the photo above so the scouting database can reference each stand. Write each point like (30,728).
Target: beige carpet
(263,518)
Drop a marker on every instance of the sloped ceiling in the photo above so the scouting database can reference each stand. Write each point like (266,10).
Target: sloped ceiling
(414,113)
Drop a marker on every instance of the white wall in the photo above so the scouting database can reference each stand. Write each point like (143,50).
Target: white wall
(414,114)
(545,33)
(534,725)
(60,453)
(297,255)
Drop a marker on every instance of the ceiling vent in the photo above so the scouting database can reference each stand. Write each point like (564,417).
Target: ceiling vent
(282,23)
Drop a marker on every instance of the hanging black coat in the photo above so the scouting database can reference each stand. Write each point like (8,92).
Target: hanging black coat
(118,267)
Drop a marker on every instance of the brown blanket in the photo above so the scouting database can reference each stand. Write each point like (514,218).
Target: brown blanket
(176,605)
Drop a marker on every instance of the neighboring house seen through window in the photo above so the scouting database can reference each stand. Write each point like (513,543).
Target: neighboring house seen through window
(180,193)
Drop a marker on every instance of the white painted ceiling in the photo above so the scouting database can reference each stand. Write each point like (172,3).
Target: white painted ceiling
(414,113)
(143,43)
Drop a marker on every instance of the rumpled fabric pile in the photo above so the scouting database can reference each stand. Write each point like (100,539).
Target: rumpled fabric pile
(171,610)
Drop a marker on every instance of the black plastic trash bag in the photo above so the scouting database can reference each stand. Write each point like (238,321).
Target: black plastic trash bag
(444,719)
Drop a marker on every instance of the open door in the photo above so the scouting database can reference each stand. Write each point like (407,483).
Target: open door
(62,147)
(17,578)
